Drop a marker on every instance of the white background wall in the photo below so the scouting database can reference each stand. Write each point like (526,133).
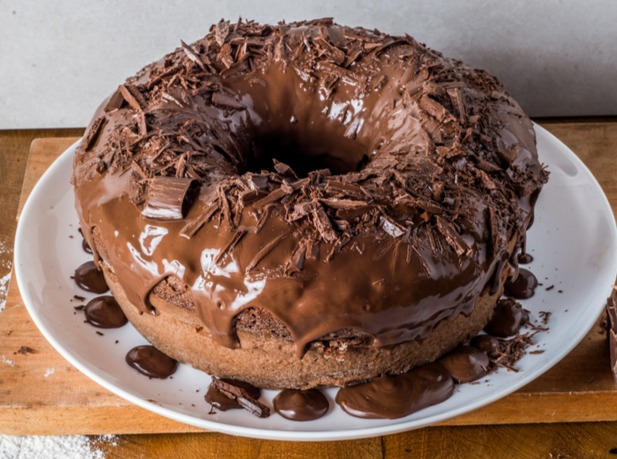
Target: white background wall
(59,59)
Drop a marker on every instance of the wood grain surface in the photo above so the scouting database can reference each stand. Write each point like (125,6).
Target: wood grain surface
(579,389)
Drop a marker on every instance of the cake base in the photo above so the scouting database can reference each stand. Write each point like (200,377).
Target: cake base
(270,362)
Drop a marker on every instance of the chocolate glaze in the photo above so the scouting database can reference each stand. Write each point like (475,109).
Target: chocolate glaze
(336,168)
(466,363)
(392,397)
(151,362)
(508,318)
(525,258)
(222,402)
(523,286)
(301,405)
(105,312)
(88,277)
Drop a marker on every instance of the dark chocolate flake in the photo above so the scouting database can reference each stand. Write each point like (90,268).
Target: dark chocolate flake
(115,101)
(323,225)
(392,228)
(243,397)
(26,350)
(93,132)
(192,55)
(193,226)
(452,237)
(225,100)
(132,95)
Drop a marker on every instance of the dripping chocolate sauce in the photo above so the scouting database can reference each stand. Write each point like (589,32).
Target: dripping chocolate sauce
(386,397)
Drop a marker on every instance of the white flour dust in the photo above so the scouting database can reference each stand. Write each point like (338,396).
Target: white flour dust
(5,273)
(53,447)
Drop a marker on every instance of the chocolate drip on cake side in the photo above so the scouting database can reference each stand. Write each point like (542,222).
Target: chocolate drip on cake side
(418,176)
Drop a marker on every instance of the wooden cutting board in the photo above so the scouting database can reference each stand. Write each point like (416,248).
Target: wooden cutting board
(41,393)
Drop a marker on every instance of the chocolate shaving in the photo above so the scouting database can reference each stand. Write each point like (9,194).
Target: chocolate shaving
(343,203)
(323,225)
(301,210)
(94,131)
(265,250)
(115,101)
(195,225)
(242,396)
(26,350)
(284,169)
(225,100)
(221,32)
(235,240)
(258,182)
(273,196)
(192,55)
(452,237)
(132,95)
(457,102)
(391,227)
(166,198)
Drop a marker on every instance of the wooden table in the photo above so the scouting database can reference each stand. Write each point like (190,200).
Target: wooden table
(569,412)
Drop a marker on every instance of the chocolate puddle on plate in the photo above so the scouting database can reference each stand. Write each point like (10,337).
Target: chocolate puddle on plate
(385,397)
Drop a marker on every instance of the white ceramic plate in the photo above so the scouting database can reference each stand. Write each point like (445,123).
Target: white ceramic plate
(573,241)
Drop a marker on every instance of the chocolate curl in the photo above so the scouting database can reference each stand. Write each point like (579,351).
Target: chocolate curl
(242,396)
(166,198)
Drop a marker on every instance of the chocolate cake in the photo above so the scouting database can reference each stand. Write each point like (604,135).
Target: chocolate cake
(307,204)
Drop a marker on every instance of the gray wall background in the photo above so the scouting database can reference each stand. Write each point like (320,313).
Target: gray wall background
(59,59)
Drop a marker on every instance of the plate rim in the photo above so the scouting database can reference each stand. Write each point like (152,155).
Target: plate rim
(280,434)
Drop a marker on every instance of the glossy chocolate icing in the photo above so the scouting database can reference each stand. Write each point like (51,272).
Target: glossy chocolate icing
(343,179)
(392,397)
(105,312)
(151,362)
(301,405)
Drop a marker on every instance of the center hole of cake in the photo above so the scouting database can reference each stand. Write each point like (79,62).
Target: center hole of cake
(305,153)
